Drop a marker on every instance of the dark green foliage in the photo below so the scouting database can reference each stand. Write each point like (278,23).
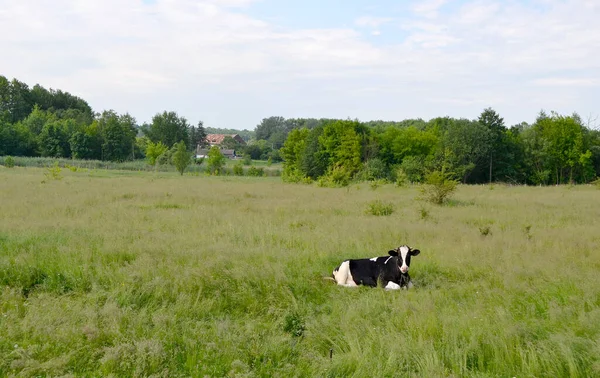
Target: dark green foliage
(197,136)
(168,128)
(118,134)
(294,324)
(374,169)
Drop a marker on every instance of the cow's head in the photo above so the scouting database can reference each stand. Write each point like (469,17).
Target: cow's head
(404,253)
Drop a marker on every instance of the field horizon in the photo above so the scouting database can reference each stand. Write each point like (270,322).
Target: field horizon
(125,273)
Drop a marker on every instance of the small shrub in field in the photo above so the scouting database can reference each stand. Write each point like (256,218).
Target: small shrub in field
(376,184)
(401,177)
(380,208)
(527,231)
(438,187)
(484,230)
(294,324)
(247,160)
(181,158)
(335,177)
(238,169)
(256,172)
(53,173)
(9,162)
(596,183)
(424,213)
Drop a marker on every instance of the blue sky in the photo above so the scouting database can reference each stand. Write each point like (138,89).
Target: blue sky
(231,63)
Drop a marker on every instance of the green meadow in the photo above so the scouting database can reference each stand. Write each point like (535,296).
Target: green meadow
(152,274)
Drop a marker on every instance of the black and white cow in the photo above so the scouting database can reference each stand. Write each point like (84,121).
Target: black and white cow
(391,271)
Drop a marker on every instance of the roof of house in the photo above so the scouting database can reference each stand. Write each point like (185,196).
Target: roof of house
(218,138)
(215,138)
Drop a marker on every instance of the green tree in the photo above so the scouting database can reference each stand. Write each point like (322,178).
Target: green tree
(291,152)
(168,128)
(495,126)
(153,151)
(197,136)
(54,140)
(118,136)
(341,142)
(16,139)
(181,158)
(462,147)
(216,161)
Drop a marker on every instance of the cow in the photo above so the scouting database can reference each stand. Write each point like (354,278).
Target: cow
(391,271)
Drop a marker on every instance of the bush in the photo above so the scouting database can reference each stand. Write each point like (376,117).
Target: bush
(596,183)
(53,173)
(438,187)
(216,161)
(256,172)
(181,158)
(335,177)
(247,159)
(238,169)
(9,162)
(380,208)
(373,169)
(401,177)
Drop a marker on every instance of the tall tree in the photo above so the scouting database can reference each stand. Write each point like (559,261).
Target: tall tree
(197,136)
(168,128)
(495,126)
(118,136)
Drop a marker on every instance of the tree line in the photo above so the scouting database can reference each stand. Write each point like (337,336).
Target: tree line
(555,149)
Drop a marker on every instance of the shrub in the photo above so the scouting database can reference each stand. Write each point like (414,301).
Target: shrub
(294,324)
(335,177)
(380,208)
(238,169)
(257,172)
(401,177)
(377,183)
(9,162)
(373,169)
(216,161)
(181,158)
(247,159)
(438,187)
(596,183)
(53,173)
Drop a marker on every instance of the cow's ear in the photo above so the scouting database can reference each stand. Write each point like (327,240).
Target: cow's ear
(415,252)
(393,252)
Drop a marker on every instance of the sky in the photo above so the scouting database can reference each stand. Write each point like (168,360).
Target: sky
(231,63)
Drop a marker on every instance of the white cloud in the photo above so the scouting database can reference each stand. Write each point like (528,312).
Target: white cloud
(372,22)
(210,58)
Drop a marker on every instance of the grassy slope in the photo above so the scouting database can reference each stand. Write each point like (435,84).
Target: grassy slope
(135,274)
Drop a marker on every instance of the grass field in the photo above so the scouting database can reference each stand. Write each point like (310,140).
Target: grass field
(113,273)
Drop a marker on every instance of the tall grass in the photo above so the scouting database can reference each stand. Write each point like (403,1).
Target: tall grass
(160,275)
(136,165)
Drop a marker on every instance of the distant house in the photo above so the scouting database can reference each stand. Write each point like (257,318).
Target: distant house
(203,153)
(217,139)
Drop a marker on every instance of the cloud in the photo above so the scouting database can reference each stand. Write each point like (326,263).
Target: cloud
(372,22)
(138,55)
